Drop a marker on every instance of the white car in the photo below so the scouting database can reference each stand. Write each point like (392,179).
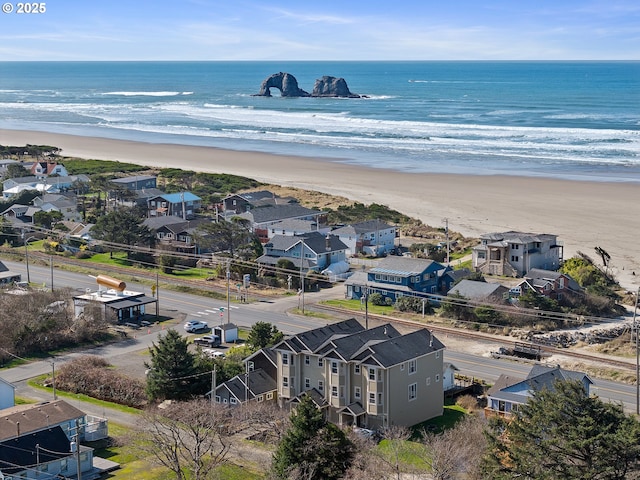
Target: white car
(195,326)
(213,353)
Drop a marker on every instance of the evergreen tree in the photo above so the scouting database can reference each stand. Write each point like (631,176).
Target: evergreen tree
(312,448)
(123,226)
(171,368)
(563,433)
(263,334)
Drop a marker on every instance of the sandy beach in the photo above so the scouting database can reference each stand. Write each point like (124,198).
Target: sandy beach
(583,214)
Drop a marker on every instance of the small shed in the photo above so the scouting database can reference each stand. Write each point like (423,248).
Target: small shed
(227,332)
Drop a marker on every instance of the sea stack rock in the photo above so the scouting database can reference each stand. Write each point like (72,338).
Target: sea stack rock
(332,87)
(285,82)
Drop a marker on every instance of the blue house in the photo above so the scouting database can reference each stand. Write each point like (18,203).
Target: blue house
(396,276)
(182,204)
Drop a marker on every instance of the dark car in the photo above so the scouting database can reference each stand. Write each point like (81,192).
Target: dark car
(208,341)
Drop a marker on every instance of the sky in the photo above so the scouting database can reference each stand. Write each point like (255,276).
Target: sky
(276,30)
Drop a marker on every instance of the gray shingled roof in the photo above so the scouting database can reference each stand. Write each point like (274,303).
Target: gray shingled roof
(474,290)
(347,347)
(361,227)
(278,212)
(312,240)
(35,417)
(404,266)
(400,349)
(517,237)
(259,384)
(311,340)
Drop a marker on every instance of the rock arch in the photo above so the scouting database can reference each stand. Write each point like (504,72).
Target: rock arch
(285,82)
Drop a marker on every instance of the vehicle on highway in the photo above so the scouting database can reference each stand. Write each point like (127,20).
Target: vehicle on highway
(208,341)
(195,326)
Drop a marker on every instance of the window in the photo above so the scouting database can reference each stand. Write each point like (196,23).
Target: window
(260,398)
(334,391)
(250,366)
(437,377)
(269,396)
(285,382)
(320,362)
(334,367)
(307,383)
(225,401)
(372,373)
(515,247)
(285,359)
(413,391)
(416,279)
(217,398)
(63,465)
(356,369)
(341,392)
(292,382)
(412,367)
(379,398)
(232,401)
(372,398)
(438,354)
(515,258)
(321,385)
(402,367)
(307,360)
(357,393)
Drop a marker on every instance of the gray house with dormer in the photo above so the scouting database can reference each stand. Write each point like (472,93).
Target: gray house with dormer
(312,251)
(372,378)
(372,237)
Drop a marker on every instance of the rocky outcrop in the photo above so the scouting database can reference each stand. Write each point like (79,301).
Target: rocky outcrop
(288,85)
(332,87)
(285,82)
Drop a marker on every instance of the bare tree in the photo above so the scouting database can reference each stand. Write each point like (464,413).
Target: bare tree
(397,437)
(186,436)
(456,452)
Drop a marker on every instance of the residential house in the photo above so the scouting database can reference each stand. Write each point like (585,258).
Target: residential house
(175,234)
(4,164)
(67,205)
(18,214)
(47,169)
(36,439)
(451,277)
(136,182)
(15,186)
(8,277)
(261,219)
(294,227)
(483,292)
(548,283)
(508,392)
(254,385)
(182,204)
(316,251)
(515,253)
(396,276)
(368,378)
(7,394)
(372,237)
(243,202)
(265,359)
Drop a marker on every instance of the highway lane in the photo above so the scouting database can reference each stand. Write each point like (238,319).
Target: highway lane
(208,309)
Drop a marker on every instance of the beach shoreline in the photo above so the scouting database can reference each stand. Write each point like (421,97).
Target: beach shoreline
(584,214)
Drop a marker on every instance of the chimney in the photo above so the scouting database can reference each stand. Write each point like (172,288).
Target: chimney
(327,242)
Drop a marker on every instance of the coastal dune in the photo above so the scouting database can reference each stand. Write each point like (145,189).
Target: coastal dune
(584,214)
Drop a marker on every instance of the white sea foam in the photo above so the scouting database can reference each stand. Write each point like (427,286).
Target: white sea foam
(147,94)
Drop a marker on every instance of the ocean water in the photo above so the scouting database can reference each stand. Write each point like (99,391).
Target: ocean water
(577,120)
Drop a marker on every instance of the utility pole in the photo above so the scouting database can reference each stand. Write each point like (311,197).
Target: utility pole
(301,276)
(77,452)
(228,291)
(51,267)
(53,379)
(635,329)
(446,233)
(366,307)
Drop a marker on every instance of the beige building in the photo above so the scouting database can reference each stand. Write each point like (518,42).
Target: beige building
(372,378)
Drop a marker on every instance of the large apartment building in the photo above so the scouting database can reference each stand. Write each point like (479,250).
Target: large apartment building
(371,378)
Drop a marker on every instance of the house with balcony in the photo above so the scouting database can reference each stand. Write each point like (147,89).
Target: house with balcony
(372,237)
(396,276)
(175,234)
(312,251)
(508,392)
(183,204)
(46,169)
(513,254)
(136,182)
(372,378)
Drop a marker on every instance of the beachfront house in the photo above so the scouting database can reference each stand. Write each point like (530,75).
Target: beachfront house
(515,253)
(312,251)
(15,186)
(46,169)
(136,182)
(182,204)
(243,202)
(549,283)
(508,393)
(295,226)
(261,219)
(396,276)
(372,378)
(175,234)
(372,237)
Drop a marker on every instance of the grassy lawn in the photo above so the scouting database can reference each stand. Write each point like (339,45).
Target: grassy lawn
(359,306)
